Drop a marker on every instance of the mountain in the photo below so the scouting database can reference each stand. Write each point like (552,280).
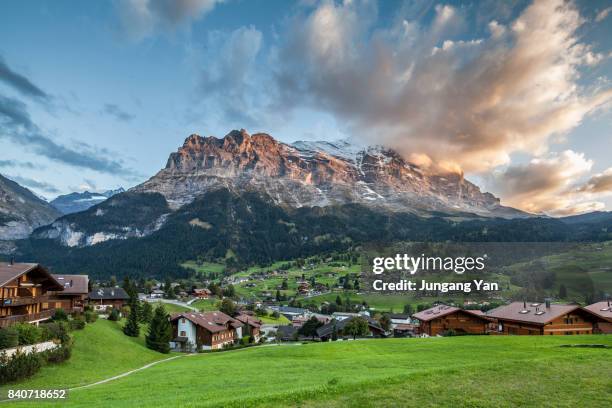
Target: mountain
(21,211)
(77,202)
(316,174)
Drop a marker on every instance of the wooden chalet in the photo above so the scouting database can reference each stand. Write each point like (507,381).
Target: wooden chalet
(326,331)
(24,293)
(204,331)
(74,294)
(534,318)
(252,325)
(201,293)
(104,298)
(604,311)
(441,319)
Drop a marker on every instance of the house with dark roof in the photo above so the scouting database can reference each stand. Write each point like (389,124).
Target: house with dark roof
(252,325)
(442,319)
(74,294)
(604,311)
(535,318)
(326,331)
(24,293)
(194,331)
(104,298)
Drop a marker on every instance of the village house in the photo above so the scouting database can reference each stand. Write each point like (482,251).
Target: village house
(604,311)
(299,321)
(441,319)
(525,318)
(24,293)
(201,293)
(326,331)
(252,326)
(204,331)
(74,295)
(104,298)
(348,315)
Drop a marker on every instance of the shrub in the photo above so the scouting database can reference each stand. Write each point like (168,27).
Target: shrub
(19,366)
(113,315)
(60,315)
(245,340)
(55,330)
(90,316)
(59,354)
(8,337)
(28,333)
(77,323)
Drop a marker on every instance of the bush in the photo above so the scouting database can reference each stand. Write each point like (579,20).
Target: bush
(60,315)
(55,330)
(245,340)
(8,338)
(114,315)
(77,323)
(91,317)
(59,354)
(19,366)
(28,333)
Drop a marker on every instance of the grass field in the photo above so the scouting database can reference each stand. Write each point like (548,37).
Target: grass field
(170,307)
(480,371)
(282,320)
(101,350)
(206,305)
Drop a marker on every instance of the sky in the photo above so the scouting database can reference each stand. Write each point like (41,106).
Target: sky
(516,95)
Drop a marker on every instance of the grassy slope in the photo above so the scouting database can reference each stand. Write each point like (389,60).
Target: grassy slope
(170,307)
(270,320)
(460,371)
(101,350)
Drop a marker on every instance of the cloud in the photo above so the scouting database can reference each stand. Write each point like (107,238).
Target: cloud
(142,18)
(20,83)
(35,184)
(552,184)
(601,16)
(17,127)
(514,89)
(228,81)
(24,165)
(115,111)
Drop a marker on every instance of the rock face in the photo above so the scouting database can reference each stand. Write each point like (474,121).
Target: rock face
(21,211)
(308,174)
(77,202)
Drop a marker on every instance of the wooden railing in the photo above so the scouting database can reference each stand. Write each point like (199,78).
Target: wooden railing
(10,320)
(23,300)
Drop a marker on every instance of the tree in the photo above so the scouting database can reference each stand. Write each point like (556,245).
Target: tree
(356,284)
(408,309)
(229,291)
(160,331)
(284,285)
(334,335)
(146,313)
(278,295)
(168,289)
(356,327)
(338,300)
(385,322)
(309,329)
(228,307)
(132,328)
(562,291)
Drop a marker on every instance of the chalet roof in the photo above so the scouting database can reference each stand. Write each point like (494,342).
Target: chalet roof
(11,271)
(286,332)
(531,312)
(213,322)
(442,310)
(601,309)
(73,284)
(108,294)
(328,328)
(399,316)
(292,310)
(250,320)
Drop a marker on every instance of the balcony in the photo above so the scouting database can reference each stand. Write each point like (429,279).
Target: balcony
(27,318)
(23,300)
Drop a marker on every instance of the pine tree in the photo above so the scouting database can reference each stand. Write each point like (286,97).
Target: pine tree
(160,331)
(146,313)
(562,292)
(132,328)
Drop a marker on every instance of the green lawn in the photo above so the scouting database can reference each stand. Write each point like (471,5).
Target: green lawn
(270,320)
(480,371)
(170,307)
(101,350)
(205,267)
(206,305)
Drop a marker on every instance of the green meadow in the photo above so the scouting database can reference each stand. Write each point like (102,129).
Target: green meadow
(470,371)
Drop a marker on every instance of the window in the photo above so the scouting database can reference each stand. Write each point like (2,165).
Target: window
(183,334)
(183,320)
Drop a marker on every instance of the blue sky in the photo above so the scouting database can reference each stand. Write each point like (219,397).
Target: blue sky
(95,95)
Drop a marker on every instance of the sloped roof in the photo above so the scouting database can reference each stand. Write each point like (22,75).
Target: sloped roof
(328,328)
(211,321)
(443,310)
(73,284)
(250,320)
(601,309)
(533,312)
(108,294)
(11,271)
